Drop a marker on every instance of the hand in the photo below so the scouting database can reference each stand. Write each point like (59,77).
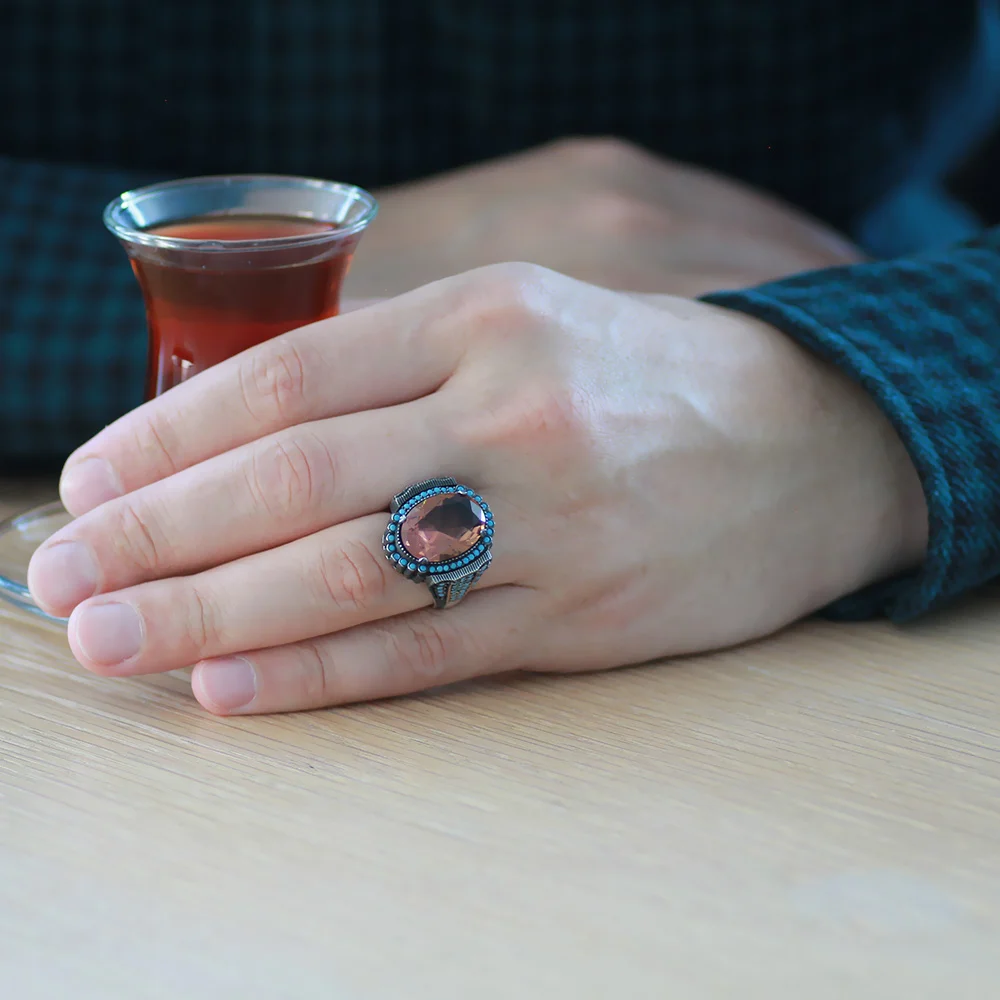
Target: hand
(666,477)
(599,210)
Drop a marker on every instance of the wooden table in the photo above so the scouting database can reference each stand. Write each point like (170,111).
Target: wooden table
(817,816)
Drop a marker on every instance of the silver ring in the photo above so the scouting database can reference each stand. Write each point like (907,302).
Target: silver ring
(440,534)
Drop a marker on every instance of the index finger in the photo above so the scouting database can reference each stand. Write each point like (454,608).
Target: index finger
(375,357)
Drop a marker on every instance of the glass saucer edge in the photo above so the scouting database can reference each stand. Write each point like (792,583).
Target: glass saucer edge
(14,592)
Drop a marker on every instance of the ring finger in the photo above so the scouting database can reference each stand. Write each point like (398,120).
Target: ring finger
(329,581)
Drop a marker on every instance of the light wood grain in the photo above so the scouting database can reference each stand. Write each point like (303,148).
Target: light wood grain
(816,816)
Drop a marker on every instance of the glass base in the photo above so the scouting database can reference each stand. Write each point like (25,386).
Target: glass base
(19,537)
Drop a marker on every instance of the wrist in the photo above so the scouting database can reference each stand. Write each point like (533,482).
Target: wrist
(871,514)
(849,507)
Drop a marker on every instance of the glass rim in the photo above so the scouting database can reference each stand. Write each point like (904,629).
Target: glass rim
(131,234)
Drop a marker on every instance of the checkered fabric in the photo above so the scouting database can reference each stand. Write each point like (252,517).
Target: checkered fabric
(922,335)
(825,102)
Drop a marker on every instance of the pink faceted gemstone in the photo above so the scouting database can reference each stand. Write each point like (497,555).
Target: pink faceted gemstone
(443,527)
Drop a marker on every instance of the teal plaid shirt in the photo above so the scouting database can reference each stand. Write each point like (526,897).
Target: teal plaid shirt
(829,103)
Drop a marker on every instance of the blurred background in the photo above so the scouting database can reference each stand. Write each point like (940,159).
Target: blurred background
(976,181)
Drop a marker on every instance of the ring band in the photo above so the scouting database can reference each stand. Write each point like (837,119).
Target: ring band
(440,534)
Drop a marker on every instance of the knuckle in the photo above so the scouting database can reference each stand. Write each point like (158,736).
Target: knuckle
(543,416)
(510,278)
(353,578)
(617,213)
(503,299)
(138,539)
(500,285)
(314,678)
(154,435)
(604,154)
(272,381)
(422,651)
(291,474)
(203,621)
(548,412)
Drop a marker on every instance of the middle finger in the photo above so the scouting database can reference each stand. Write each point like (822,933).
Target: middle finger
(260,495)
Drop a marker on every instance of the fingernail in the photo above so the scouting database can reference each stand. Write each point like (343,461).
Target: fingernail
(62,575)
(109,633)
(87,484)
(227,684)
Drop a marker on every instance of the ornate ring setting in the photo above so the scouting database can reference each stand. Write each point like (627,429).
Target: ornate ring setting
(440,534)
